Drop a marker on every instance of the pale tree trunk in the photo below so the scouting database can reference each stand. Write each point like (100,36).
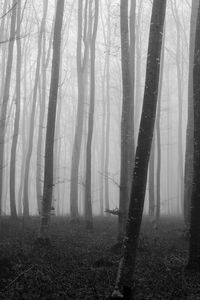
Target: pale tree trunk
(32,120)
(44,65)
(190,121)
(82,37)
(17,118)
(127,129)
(180,104)
(88,196)
(152,180)
(23,136)
(123,286)
(107,142)
(138,67)
(6,95)
(158,134)
(51,117)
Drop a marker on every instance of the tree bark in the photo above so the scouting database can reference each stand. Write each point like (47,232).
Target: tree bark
(190,121)
(51,117)
(194,247)
(3,116)
(88,197)
(126,267)
(127,128)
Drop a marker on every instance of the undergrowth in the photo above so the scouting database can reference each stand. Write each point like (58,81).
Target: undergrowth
(80,264)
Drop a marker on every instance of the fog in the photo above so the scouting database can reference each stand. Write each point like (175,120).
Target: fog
(108,98)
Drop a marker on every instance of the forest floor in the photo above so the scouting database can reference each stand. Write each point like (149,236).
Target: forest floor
(82,265)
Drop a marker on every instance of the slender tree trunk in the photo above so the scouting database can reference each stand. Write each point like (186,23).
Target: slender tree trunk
(152,180)
(126,267)
(17,118)
(107,142)
(45,62)
(190,122)
(88,197)
(6,95)
(82,36)
(32,119)
(158,116)
(51,117)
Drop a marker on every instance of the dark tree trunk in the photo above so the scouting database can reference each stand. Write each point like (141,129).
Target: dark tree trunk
(194,249)
(130,243)
(190,122)
(51,117)
(127,130)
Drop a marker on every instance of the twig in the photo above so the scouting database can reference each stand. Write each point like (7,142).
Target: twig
(14,280)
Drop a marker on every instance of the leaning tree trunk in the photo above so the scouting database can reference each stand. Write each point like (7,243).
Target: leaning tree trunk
(124,282)
(194,249)
(51,117)
(127,130)
(4,105)
(190,122)
(88,197)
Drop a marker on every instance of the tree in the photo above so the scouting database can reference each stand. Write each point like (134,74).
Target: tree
(32,117)
(51,117)
(127,128)
(17,117)
(88,197)
(194,248)
(127,262)
(4,105)
(83,36)
(190,125)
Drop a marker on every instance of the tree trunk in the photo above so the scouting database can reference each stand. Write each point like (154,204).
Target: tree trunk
(17,118)
(82,37)
(88,197)
(44,64)
(194,248)
(3,116)
(127,130)
(32,121)
(152,180)
(51,117)
(127,262)
(158,173)
(190,122)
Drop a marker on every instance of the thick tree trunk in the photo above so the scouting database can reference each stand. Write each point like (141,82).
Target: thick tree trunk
(194,249)
(127,130)
(51,117)
(127,263)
